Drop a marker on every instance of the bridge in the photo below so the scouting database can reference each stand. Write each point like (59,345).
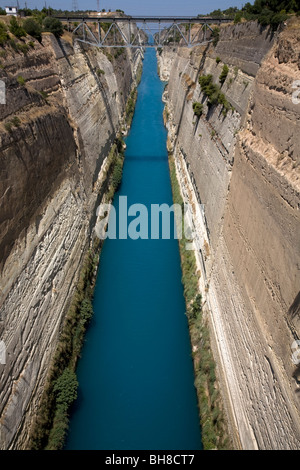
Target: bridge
(142,31)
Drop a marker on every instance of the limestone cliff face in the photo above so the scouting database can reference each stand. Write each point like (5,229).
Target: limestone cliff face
(244,169)
(61,117)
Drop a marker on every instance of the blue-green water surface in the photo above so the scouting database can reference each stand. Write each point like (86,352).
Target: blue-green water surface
(136,389)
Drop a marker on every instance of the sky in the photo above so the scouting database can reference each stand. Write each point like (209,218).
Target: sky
(136,7)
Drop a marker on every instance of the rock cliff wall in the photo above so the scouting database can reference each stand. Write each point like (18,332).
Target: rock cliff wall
(243,168)
(64,106)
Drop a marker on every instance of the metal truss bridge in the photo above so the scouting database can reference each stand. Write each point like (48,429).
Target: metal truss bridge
(146,31)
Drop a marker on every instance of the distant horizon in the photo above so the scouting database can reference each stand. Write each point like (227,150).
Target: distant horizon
(133,7)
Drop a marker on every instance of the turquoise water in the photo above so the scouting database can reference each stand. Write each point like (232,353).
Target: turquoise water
(135,375)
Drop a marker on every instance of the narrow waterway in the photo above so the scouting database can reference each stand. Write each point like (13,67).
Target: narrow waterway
(136,380)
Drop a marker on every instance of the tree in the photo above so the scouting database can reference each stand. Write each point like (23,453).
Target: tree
(54,26)
(231,11)
(238,18)
(216,35)
(15,28)
(65,388)
(3,33)
(86,310)
(216,14)
(198,109)
(33,28)
(27,12)
(2,11)
(224,74)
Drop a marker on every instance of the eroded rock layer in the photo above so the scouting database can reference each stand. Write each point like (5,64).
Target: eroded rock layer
(64,106)
(243,168)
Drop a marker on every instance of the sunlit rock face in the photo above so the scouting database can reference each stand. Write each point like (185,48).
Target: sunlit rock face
(243,168)
(69,104)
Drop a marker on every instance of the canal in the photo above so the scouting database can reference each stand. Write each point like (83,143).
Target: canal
(136,378)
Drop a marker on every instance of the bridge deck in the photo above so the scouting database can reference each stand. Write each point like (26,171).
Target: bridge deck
(147,19)
(124,31)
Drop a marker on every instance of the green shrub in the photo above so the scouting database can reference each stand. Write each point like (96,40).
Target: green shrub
(198,109)
(31,44)
(33,28)
(13,44)
(65,391)
(119,52)
(8,126)
(120,145)
(65,388)
(54,26)
(215,35)
(213,93)
(205,80)
(15,28)
(100,72)
(2,12)
(130,106)
(3,33)
(209,89)
(224,74)
(277,19)
(218,60)
(139,73)
(16,121)
(23,48)
(195,309)
(117,173)
(59,430)
(21,80)
(86,310)
(44,94)
(108,55)
(238,18)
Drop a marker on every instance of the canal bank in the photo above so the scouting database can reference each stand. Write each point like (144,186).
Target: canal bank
(136,375)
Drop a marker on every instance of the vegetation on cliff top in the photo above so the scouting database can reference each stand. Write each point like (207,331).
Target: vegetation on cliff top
(267,12)
(30,26)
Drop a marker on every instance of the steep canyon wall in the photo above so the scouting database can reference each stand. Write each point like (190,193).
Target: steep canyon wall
(64,107)
(242,167)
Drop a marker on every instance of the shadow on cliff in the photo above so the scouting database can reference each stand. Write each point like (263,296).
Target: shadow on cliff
(101,89)
(294,317)
(201,65)
(294,310)
(105,99)
(61,46)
